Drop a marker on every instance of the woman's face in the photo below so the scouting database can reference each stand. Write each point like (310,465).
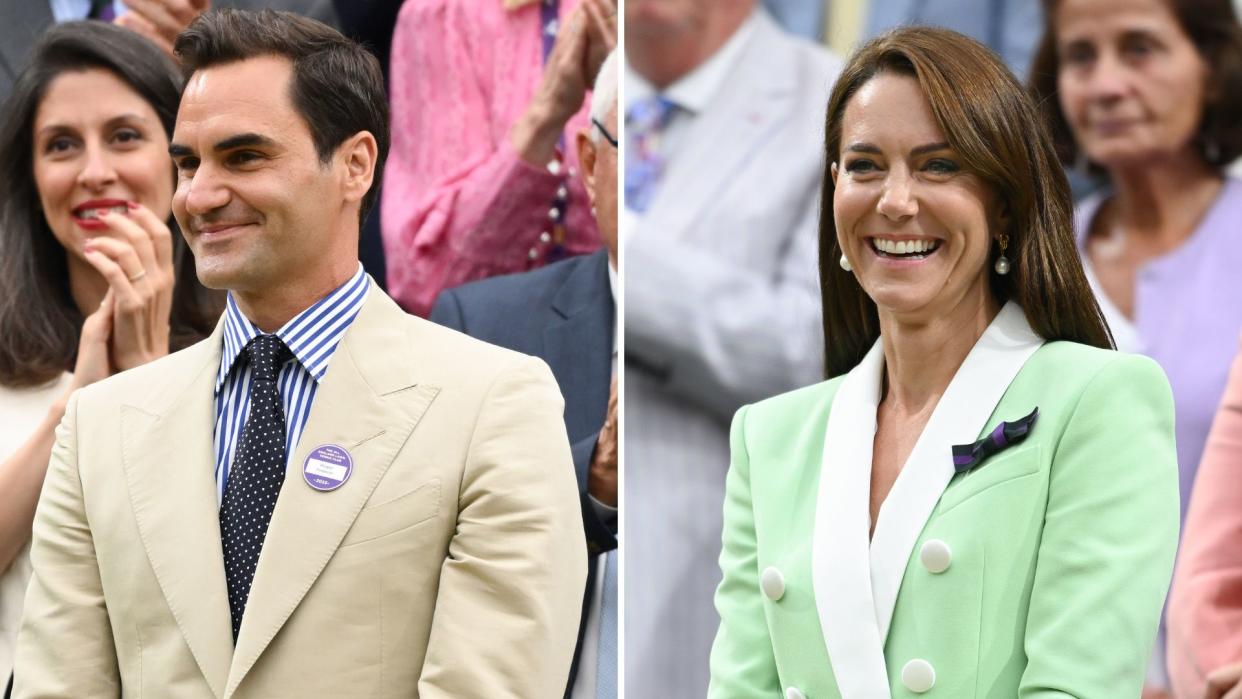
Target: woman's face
(1131,82)
(914,224)
(97,144)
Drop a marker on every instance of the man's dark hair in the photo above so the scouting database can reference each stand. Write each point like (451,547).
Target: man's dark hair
(337,86)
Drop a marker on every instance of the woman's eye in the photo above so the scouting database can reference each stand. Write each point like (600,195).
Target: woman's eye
(126,136)
(860,166)
(1139,47)
(1077,54)
(60,144)
(941,166)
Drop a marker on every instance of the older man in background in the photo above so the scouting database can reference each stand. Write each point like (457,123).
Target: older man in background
(565,315)
(724,119)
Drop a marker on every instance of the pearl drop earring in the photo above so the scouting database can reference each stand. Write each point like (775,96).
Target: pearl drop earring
(1002,262)
(845,263)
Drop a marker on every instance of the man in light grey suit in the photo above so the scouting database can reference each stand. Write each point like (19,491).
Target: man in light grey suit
(724,118)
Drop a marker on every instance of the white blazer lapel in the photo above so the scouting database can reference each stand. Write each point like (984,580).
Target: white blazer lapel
(959,418)
(840,562)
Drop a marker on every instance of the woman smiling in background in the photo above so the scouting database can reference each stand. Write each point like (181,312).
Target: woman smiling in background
(983,500)
(92,281)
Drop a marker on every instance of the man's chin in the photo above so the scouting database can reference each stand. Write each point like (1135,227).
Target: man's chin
(217,276)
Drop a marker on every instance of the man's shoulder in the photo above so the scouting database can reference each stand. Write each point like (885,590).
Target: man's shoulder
(815,63)
(511,298)
(517,289)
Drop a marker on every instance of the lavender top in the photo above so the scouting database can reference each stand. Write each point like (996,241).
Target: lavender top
(1187,316)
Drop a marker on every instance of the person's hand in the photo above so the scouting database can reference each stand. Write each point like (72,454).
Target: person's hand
(161,21)
(602,480)
(1153,692)
(601,33)
(93,362)
(135,257)
(1224,683)
(560,93)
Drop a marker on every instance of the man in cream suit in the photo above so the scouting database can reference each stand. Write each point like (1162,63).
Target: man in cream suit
(724,165)
(422,538)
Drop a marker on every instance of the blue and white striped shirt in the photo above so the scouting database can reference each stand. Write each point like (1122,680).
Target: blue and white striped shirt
(312,336)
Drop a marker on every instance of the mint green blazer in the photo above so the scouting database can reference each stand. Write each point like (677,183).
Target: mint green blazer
(1040,572)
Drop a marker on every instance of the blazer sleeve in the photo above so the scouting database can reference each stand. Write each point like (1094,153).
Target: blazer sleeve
(64,647)
(511,588)
(743,664)
(458,201)
(1110,534)
(1205,608)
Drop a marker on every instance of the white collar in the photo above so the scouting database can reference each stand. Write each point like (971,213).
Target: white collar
(856,580)
(695,90)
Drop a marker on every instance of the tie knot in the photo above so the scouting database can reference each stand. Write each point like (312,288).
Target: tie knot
(650,115)
(267,353)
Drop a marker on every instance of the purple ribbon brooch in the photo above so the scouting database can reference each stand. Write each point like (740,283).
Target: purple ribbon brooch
(1006,434)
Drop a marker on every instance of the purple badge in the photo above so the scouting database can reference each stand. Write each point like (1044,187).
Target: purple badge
(327,467)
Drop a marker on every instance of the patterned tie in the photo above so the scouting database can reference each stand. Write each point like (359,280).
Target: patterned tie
(644,163)
(256,475)
(606,660)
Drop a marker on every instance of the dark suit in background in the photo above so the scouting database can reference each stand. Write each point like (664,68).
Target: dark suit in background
(563,314)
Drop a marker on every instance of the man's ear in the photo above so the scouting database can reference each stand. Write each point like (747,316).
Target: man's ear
(586,161)
(358,154)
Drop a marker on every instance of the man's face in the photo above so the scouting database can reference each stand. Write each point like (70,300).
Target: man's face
(254,202)
(599,176)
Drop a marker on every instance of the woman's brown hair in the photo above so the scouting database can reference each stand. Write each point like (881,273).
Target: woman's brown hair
(989,121)
(1213,27)
(39,323)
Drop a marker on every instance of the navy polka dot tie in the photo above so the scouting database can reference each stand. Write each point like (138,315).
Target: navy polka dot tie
(256,475)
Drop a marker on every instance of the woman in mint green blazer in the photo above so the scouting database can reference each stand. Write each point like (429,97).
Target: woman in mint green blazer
(982,501)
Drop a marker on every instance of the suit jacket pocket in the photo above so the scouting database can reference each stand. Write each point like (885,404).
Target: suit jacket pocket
(396,514)
(1001,468)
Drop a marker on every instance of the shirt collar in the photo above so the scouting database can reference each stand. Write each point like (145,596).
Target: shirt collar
(612,288)
(312,335)
(695,90)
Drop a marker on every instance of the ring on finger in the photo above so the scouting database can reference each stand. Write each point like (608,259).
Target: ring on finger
(138,276)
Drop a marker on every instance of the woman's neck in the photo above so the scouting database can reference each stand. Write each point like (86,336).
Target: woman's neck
(922,355)
(1163,202)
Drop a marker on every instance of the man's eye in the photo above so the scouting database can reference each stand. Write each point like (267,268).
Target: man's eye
(243,157)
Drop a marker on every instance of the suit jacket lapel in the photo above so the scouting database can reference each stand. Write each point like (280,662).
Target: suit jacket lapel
(959,418)
(840,564)
(169,468)
(751,105)
(368,402)
(578,346)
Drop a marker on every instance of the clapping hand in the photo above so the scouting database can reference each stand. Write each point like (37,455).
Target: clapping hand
(161,20)
(135,257)
(602,479)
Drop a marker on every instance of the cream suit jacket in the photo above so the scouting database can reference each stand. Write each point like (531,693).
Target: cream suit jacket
(452,562)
